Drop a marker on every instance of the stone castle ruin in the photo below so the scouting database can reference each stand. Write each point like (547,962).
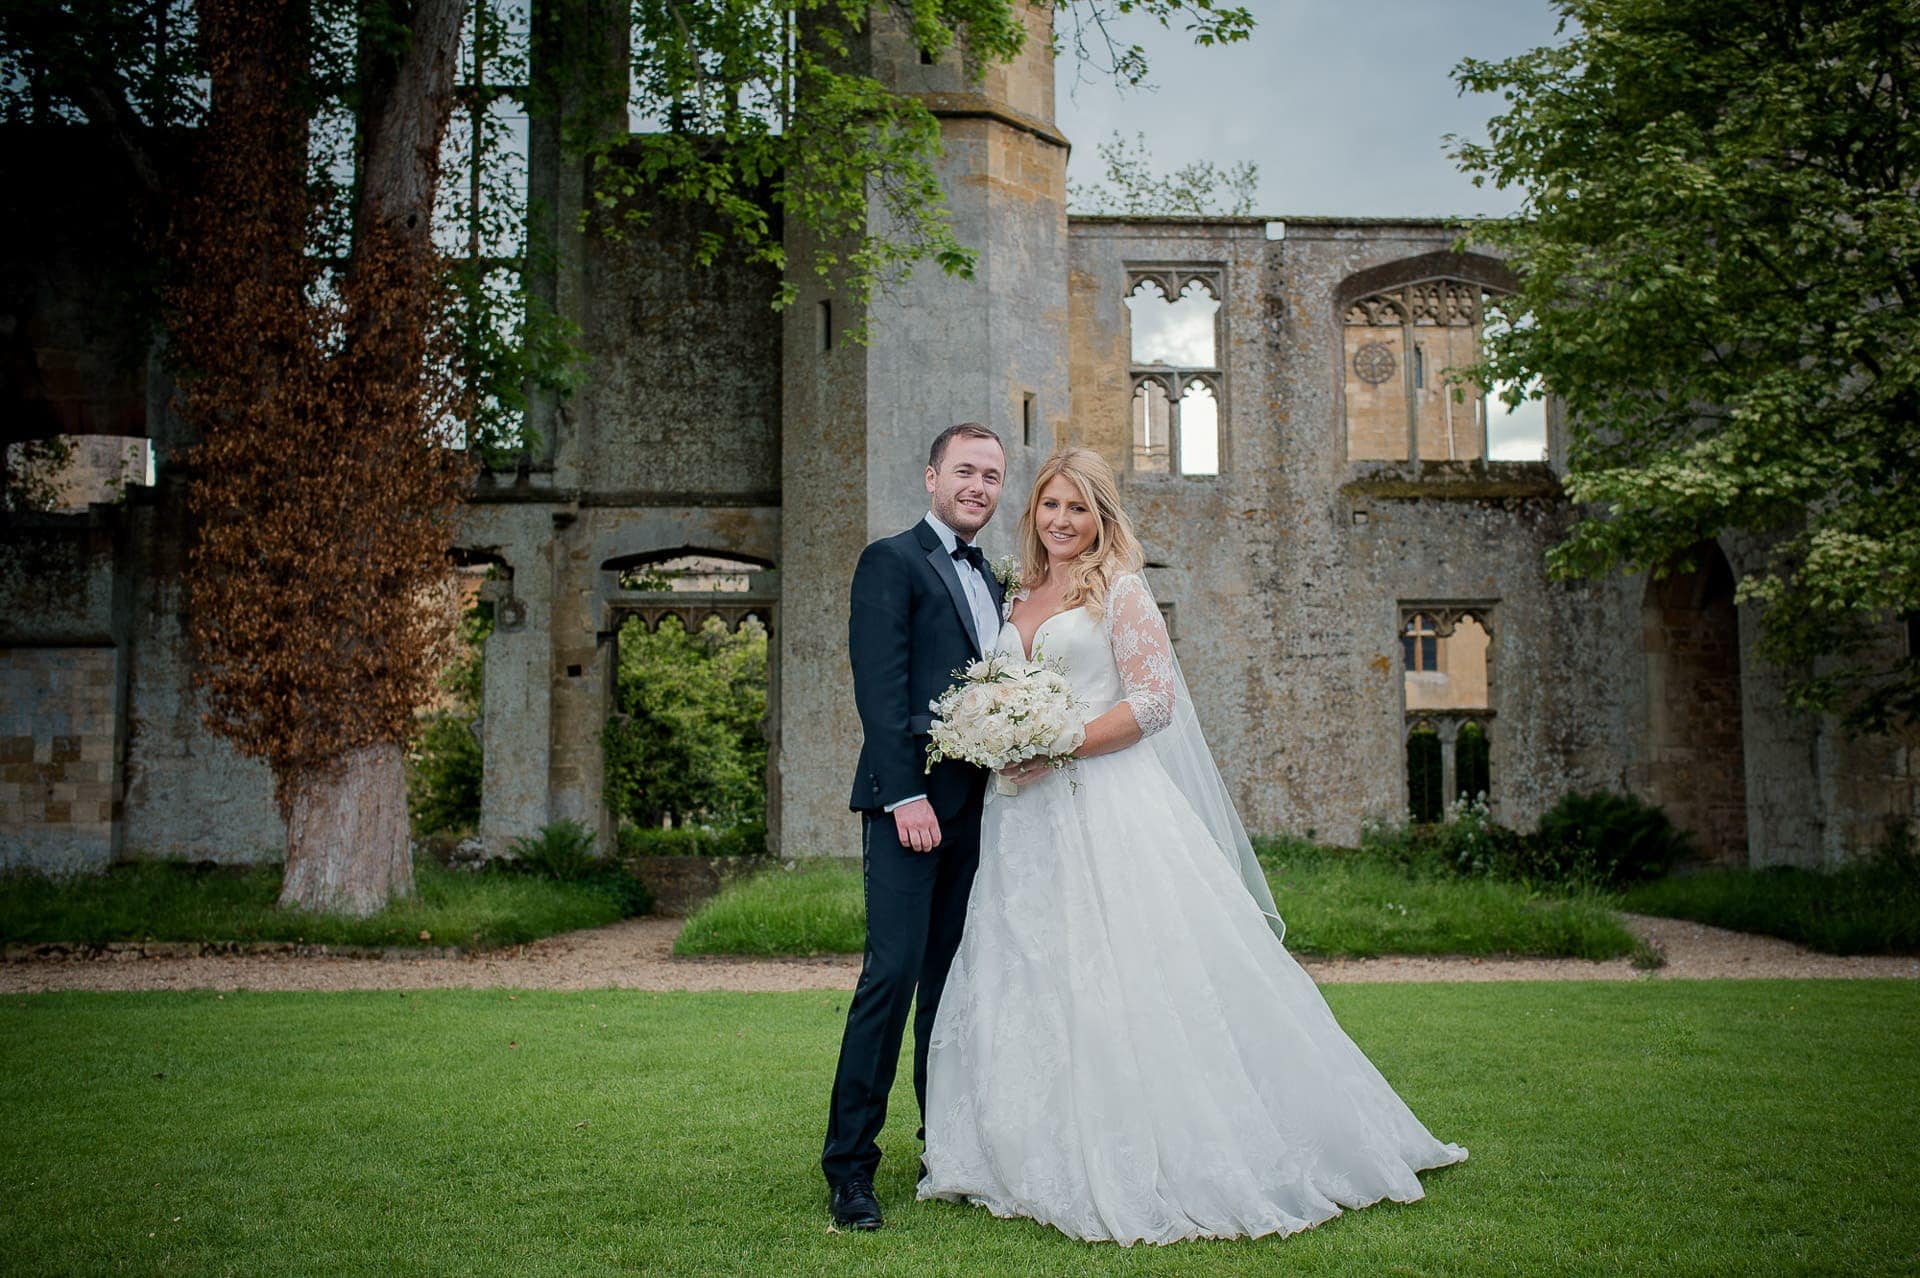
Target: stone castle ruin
(1348,548)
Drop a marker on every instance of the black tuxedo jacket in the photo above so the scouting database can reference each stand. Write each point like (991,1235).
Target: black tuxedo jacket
(909,630)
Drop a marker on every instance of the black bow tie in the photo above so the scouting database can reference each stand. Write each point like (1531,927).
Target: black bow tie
(963,553)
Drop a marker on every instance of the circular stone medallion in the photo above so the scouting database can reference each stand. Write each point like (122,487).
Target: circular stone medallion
(1374,363)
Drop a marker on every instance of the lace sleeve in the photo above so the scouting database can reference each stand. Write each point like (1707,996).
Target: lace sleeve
(1142,652)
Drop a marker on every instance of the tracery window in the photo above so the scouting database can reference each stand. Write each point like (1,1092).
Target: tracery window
(1401,403)
(1174,324)
(480,218)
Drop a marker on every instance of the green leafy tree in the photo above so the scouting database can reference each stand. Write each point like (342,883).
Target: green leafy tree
(1199,188)
(686,742)
(445,761)
(770,122)
(1719,252)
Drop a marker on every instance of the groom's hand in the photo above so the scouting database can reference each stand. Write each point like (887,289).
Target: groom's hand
(919,828)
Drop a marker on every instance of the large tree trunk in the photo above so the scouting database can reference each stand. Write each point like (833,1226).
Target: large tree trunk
(348,845)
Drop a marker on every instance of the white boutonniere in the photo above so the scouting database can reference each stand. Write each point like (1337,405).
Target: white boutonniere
(1006,570)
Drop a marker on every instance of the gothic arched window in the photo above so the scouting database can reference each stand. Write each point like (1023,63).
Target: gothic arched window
(1174,325)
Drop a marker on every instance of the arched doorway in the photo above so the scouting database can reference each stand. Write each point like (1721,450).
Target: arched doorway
(692,737)
(1695,761)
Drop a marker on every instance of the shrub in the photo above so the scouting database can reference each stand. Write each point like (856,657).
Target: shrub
(564,851)
(749,839)
(1604,839)
(685,742)
(444,758)
(443,776)
(1472,844)
(1467,843)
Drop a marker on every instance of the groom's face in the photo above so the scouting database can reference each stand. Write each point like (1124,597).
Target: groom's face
(966,485)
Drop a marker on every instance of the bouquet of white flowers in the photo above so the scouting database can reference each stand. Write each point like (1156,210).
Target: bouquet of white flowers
(1005,711)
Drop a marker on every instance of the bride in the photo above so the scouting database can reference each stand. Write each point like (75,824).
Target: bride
(1125,1050)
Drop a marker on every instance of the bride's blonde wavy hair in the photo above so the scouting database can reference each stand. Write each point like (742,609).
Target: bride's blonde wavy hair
(1114,550)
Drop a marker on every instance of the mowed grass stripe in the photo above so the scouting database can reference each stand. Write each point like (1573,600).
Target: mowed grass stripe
(1669,1128)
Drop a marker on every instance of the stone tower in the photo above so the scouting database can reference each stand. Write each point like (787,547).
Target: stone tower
(857,419)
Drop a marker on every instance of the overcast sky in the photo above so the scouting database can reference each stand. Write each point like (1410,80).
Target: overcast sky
(1342,106)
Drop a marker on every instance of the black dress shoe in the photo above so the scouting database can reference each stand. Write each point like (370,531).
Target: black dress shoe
(854,1206)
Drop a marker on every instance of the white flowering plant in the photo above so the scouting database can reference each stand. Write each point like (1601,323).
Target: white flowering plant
(1005,711)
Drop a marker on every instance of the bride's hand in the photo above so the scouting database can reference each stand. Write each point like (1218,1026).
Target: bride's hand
(1026,771)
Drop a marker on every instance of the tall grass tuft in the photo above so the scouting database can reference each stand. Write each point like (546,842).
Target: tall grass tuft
(812,907)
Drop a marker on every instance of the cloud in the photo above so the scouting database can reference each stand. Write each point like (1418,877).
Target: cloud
(1343,107)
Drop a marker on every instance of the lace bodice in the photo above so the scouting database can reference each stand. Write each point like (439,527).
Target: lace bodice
(1124,655)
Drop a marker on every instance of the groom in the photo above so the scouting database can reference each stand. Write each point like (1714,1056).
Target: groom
(924,605)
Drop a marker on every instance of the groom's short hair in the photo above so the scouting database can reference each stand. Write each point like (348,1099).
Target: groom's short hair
(970,430)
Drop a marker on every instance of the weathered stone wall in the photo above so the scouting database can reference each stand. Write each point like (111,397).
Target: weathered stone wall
(189,794)
(59,687)
(1290,569)
(58,757)
(682,387)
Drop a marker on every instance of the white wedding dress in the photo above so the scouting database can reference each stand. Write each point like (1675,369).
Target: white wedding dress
(1124,1048)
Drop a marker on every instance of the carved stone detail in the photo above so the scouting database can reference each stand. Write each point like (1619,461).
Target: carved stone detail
(1443,617)
(1374,363)
(1385,310)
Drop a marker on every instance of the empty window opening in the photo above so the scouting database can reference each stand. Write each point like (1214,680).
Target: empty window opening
(700,574)
(1199,430)
(1404,397)
(1419,645)
(1173,333)
(1445,662)
(1515,431)
(1445,653)
(1173,318)
(1424,795)
(65,474)
(1473,762)
(1026,419)
(826,326)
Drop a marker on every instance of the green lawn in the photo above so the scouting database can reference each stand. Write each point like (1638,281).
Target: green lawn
(172,901)
(1647,1128)
(1337,904)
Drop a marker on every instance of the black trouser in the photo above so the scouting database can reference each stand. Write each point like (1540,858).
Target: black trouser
(916,905)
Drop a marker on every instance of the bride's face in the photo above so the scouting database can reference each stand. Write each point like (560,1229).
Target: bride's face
(1066,522)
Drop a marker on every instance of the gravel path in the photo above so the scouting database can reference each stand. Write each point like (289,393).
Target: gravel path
(637,954)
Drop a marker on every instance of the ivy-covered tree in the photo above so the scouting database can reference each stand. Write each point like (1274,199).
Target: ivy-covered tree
(1719,254)
(322,490)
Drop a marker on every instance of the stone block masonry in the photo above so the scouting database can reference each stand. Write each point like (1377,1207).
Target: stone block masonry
(59,787)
